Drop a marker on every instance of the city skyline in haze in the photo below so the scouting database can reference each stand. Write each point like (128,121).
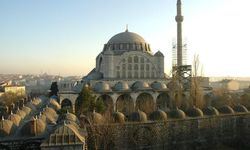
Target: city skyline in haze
(64,37)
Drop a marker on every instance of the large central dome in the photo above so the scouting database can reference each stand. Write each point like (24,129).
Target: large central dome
(126,37)
(126,41)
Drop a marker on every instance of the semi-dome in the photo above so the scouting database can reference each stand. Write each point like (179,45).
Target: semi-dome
(15,118)
(118,117)
(34,127)
(140,85)
(240,108)
(226,110)
(121,86)
(138,116)
(126,37)
(194,112)
(158,115)
(102,87)
(158,86)
(210,111)
(177,114)
(6,127)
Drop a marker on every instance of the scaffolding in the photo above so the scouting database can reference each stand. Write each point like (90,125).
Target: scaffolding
(174,53)
(184,71)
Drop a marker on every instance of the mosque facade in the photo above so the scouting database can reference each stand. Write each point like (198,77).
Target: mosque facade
(127,72)
(127,56)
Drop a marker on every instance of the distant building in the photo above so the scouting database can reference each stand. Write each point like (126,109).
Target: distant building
(204,81)
(17,89)
(230,85)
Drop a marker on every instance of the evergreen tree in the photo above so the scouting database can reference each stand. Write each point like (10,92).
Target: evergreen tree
(53,89)
(86,102)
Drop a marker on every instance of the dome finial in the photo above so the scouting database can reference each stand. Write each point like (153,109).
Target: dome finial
(126,28)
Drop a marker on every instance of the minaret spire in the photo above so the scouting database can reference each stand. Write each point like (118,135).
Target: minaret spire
(179,20)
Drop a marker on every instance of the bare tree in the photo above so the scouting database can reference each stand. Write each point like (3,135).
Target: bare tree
(176,88)
(196,92)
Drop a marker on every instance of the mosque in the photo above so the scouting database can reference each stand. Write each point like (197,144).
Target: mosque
(128,76)
(126,71)
(130,80)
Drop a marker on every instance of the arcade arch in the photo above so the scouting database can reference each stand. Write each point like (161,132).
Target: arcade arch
(163,101)
(108,103)
(125,104)
(66,103)
(145,103)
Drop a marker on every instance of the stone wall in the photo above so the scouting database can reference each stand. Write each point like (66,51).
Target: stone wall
(191,133)
(181,134)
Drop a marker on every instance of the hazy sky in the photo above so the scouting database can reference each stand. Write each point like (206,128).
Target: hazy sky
(64,36)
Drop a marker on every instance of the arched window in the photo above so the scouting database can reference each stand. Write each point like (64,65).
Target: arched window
(138,46)
(121,46)
(142,66)
(143,47)
(129,67)
(130,60)
(135,67)
(147,67)
(123,66)
(136,59)
(149,47)
(142,60)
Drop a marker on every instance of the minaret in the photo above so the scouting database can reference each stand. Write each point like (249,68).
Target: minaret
(179,20)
